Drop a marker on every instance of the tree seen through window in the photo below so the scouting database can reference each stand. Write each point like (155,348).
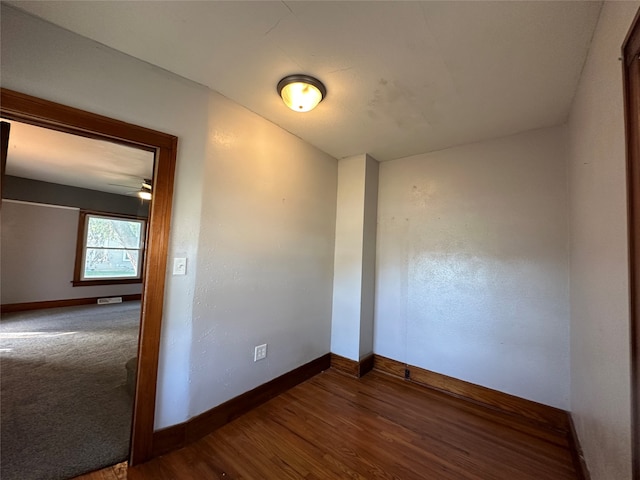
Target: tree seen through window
(113,247)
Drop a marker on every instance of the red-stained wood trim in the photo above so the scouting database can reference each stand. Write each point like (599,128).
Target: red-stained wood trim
(5,129)
(152,305)
(579,462)
(631,44)
(177,436)
(550,417)
(69,302)
(351,367)
(631,89)
(345,365)
(387,365)
(366,365)
(43,113)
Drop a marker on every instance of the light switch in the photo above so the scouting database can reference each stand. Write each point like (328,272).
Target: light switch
(179,266)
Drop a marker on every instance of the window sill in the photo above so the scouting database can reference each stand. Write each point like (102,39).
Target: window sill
(105,281)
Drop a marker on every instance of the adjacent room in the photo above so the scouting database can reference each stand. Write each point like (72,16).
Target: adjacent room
(424,276)
(73,236)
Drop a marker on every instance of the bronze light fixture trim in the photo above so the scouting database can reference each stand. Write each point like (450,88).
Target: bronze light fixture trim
(301,93)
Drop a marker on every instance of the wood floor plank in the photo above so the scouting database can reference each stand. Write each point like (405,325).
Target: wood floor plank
(483,436)
(409,447)
(376,427)
(115,472)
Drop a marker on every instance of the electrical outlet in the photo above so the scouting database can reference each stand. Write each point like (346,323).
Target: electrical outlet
(260,352)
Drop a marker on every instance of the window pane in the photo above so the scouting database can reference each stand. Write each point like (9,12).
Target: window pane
(111,263)
(112,233)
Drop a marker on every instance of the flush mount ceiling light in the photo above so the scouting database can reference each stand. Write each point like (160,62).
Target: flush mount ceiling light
(144,194)
(145,190)
(301,93)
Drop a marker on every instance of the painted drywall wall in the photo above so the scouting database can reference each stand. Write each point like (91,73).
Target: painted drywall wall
(41,59)
(354,257)
(265,264)
(347,281)
(38,255)
(28,190)
(226,166)
(39,242)
(472,274)
(370,228)
(600,361)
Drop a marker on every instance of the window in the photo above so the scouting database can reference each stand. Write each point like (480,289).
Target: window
(110,249)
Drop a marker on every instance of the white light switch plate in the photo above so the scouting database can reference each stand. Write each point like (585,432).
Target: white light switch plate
(179,266)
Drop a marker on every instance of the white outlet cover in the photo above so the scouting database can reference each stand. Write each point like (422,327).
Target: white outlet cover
(260,352)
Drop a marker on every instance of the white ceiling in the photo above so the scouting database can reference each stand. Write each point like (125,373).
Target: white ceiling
(56,157)
(402,77)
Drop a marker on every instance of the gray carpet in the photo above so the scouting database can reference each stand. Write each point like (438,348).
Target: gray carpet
(63,401)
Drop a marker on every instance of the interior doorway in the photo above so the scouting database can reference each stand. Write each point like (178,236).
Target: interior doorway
(69,335)
(40,112)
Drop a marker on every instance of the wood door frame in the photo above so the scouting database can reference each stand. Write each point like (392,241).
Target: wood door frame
(4,147)
(43,113)
(631,85)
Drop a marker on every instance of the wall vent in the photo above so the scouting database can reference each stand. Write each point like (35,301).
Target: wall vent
(108,300)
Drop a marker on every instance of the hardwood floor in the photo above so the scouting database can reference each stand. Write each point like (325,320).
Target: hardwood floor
(334,426)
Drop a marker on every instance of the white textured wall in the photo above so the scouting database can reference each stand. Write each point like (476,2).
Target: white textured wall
(347,280)
(600,362)
(43,60)
(265,265)
(38,254)
(370,228)
(229,175)
(472,274)
(354,261)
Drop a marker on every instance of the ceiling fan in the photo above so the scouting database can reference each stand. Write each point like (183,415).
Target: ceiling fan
(144,192)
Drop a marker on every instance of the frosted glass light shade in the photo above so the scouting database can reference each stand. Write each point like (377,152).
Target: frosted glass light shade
(144,194)
(301,93)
